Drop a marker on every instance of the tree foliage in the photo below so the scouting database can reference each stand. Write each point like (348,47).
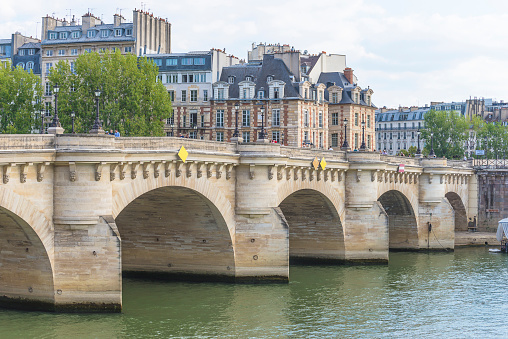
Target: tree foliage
(20,100)
(131,101)
(450,132)
(493,138)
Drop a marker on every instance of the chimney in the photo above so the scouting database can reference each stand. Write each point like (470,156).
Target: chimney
(88,21)
(118,19)
(348,73)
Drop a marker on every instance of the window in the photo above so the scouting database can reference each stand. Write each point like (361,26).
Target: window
(203,77)
(88,50)
(193,95)
(102,50)
(52,36)
(246,118)
(118,32)
(276,117)
(199,61)
(320,119)
(22,65)
(306,93)
(157,62)
(76,34)
(90,34)
(49,53)
(104,33)
(187,78)
(31,51)
(261,95)
(127,49)
(61,52)
(187,61)
(335,119)
(276,92)
(171,62)
(74,51)
(245,93)
(159,78)
(220,93)
(276,136)
(368,141)
(184,96)
(368,121)
(184,121)
(306,137)
(231,79)
(49,65)
(219,118)
(335,140)
(246,136)
(128,31)
(220,136)
(171,95)
(29,65)
(306,118)
(47,108)
(356,98)
(321,140)
(47,89)
(202,121)
(356,140)
(269,78)
(335,98)
(205,95)
(21,52)
(72,67)
(356,119)
(63,35)
(248,78)
(172,78)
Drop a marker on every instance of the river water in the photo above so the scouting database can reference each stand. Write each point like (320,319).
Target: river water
(455,294)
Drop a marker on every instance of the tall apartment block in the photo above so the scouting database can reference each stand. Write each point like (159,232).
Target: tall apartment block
(62,40)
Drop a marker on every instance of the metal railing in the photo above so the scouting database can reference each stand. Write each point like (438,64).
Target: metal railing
(490,163)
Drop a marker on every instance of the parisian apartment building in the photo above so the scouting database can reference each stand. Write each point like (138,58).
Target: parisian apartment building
(65,41)
(188,78)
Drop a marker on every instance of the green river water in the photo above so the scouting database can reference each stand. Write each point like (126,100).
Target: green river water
(459,294)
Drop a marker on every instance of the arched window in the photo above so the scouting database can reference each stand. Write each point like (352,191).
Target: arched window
(22,65)
(29,65)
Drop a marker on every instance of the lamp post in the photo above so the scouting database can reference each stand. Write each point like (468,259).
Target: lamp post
(56,121)
(195,127)
(345,145)
(485,146)
(432,154)
(97,126)
(172,130)
(55,127)
(42,122)
(236,133)
(73,116)
(418,150)
(362,146)
(261,135)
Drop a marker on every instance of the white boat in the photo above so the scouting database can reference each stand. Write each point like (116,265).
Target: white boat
(502,230)
(494,250)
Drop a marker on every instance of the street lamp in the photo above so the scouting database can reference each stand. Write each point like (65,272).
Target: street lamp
(97,126)
(485,146)
(363,147)
(345,145)
(236,133)
(42,122)
(56,121)
(418,150)
(432,154)
(172,129)
(261,135)
(73,116)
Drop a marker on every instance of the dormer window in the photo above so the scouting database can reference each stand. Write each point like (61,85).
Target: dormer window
(52,36)
(276,89)
(248,78)
(335,98)
(118,32)
(261,94)
(276,92)
(90,34)
(231,79)
(63,35)
(269,78)
(128,32)
(104,33)
(75,34)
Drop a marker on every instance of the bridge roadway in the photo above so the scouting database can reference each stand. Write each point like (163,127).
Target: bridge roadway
(77,211)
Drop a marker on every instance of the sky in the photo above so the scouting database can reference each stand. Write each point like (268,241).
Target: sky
(409,52)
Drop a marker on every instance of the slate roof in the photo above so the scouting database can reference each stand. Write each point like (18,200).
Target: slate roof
(259,71)
(418,114)
(338,79)
(30,45)
(84,39)
(5,41)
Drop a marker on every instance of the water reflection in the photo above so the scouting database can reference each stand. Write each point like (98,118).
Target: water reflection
(454,294)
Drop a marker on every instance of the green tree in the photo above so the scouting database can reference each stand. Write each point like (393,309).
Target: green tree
(493,138)
(450,131)
(131,101)
(20,100)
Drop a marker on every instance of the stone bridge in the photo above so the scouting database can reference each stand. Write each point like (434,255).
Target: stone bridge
(77,211)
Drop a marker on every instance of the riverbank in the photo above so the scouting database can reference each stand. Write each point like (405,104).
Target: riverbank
(476,239)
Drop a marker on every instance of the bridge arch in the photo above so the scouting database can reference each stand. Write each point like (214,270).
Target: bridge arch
(402,221)
(26,267)
(176,231)
(313,214)
(460,211)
